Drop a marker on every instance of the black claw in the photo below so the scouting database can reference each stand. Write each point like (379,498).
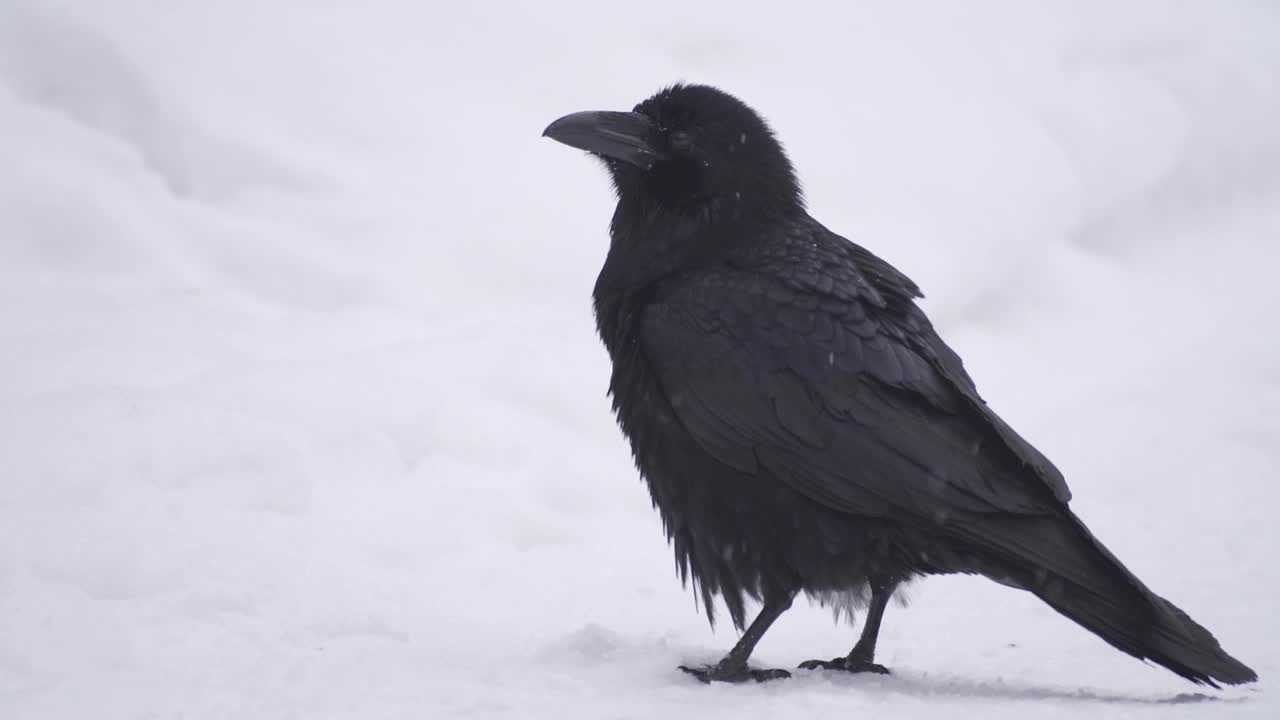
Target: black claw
(845,664)
(738,674)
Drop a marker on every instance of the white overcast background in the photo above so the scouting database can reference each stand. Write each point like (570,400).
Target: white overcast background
(302,414)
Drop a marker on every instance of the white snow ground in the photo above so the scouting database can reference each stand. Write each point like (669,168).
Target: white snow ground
(302,414)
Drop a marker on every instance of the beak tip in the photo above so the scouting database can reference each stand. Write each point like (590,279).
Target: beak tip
(550,130)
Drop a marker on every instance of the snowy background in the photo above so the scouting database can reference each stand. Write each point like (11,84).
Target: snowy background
(302,414)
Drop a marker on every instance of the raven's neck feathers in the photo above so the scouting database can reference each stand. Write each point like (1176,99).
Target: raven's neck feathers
(649,242)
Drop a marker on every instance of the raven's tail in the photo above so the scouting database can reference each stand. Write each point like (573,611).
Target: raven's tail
(1060,561)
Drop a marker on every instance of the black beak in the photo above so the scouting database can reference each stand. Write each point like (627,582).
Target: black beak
(629,137)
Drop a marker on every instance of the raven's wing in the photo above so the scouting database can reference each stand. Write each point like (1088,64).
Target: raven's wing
(814,362)
(907,322)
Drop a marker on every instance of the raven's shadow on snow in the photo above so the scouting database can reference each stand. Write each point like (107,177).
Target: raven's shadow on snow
(944,687)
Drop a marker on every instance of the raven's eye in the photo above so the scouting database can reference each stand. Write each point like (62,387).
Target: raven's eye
(680,141)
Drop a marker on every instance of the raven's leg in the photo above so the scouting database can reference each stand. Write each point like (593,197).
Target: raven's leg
(733,667)
(863,655)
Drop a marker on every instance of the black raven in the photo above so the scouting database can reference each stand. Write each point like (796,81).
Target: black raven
(800,424)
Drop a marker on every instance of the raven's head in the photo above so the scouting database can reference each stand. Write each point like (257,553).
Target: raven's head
(689,149)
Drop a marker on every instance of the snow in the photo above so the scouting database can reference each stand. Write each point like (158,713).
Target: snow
(302,414)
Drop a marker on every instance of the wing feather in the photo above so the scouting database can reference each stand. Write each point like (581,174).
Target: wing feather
(859,409)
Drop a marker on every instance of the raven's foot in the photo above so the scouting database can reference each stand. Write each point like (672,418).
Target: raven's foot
(847,664)
(733,673)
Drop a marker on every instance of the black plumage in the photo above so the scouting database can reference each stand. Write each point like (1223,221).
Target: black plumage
(800,424)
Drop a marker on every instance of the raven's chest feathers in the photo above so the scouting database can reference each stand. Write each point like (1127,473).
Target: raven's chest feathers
(639,265)
(707,515)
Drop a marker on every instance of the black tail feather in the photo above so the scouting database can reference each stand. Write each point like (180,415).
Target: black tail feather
(1060,561)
